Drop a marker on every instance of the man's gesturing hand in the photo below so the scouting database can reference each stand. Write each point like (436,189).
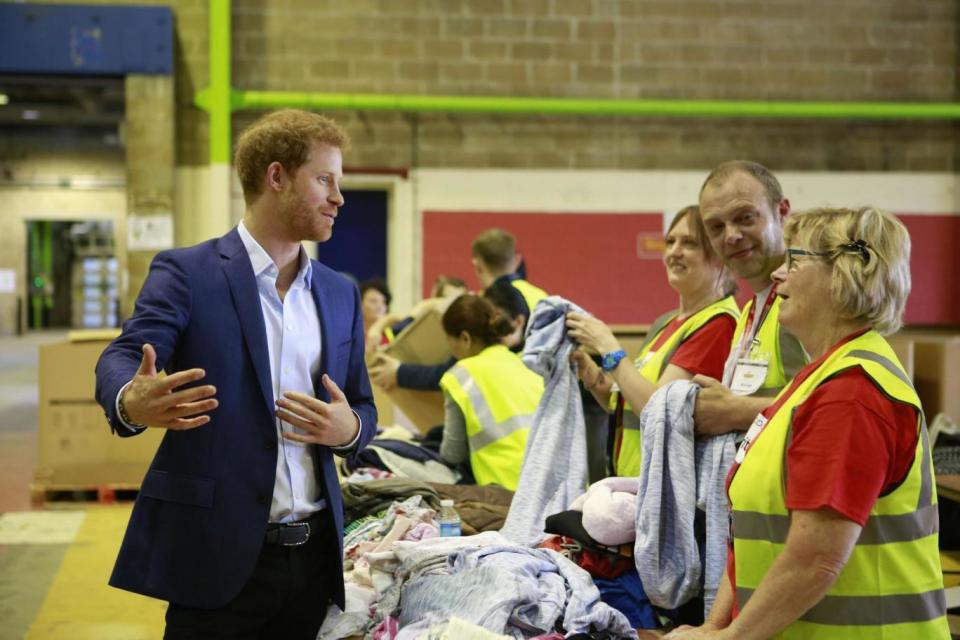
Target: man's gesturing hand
(333,424)
(154,401)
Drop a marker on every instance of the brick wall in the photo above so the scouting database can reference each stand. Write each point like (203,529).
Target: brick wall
(869,50)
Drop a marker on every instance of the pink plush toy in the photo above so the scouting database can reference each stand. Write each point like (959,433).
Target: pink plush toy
(610,510)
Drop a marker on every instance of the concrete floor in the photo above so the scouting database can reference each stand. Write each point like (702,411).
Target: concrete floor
(55,558)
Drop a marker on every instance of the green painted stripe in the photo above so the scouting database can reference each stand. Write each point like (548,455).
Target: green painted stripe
(595,107)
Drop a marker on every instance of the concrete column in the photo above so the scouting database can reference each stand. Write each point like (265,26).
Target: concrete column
(149,136)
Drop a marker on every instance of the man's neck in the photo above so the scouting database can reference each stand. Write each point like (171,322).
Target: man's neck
(283,251)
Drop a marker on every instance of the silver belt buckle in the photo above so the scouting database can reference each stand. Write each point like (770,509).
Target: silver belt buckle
(305,537)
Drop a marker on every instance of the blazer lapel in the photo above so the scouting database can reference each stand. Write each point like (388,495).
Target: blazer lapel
(246,300)
(319,290)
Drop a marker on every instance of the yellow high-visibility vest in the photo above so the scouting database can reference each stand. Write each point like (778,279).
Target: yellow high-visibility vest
(532,294)
(651,365)
(498,396)
(892,585)
(767,339)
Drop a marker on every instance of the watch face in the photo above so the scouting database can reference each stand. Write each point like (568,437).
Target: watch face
(610,360)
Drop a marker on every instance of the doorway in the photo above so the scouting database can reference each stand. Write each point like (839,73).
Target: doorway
(358,247)
(71,275)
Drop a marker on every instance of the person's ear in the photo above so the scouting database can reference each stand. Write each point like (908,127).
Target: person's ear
(783,210)
(276,176)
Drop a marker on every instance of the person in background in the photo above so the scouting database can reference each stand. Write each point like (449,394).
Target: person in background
(385,328)
(490,396)
(834,510)
(743,210)
(387,372)
(375,300)
(690,340)
(239,519)
(495,259)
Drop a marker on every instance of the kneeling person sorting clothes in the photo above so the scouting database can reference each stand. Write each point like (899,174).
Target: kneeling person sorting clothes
(490,395)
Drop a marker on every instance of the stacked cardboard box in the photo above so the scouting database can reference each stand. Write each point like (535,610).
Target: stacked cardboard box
(76,448)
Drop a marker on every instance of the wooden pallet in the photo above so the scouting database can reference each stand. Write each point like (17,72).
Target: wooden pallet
(103,483)
(41,494)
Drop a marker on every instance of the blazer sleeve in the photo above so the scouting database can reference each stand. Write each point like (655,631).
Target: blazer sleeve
(161,313)
(357,387)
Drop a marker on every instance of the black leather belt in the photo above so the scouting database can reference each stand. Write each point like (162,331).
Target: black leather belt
(293,534)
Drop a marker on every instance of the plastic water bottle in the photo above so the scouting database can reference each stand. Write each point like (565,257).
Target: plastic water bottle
(449,519)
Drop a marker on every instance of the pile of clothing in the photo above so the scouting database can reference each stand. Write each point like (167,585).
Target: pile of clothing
(404,581)
(395,452)
(485,580)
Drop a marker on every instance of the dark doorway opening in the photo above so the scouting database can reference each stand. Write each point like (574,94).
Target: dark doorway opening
(358,247)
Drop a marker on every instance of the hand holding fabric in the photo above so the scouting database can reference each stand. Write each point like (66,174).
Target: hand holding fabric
(591,333)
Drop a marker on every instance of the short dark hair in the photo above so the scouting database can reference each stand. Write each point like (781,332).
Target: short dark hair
(760,173)
(377,284)
(282,136)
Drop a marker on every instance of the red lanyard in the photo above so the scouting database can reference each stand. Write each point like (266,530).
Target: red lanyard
(763,312)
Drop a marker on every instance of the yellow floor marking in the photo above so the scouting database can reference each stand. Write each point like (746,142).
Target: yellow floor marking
(80,605)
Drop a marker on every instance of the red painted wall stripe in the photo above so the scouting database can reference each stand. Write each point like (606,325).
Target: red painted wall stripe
(607,263)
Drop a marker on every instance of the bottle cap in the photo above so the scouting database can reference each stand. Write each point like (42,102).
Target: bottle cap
(446,503)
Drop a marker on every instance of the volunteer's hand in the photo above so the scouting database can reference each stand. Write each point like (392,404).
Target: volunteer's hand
(587,369)
(686,632)
(591,333)
(711,414)
(383,373)
(332,424)
(155,402)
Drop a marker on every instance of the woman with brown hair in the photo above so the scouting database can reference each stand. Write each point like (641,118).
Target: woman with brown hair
(490,395)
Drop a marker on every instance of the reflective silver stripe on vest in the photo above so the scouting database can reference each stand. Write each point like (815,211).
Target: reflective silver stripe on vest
(886,363)
(880,529)
(926,481)
(491,431)
(631,422)
(870,610)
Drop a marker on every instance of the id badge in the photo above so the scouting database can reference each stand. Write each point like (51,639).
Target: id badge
(749,374)
(758,424)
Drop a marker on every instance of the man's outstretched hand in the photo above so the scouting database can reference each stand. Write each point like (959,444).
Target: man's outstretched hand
(156,402)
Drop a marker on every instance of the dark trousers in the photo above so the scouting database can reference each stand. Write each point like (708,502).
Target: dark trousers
(286,597)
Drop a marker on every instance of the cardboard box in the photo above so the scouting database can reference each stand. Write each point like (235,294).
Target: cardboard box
(423,342)
(76,448)
(937,374)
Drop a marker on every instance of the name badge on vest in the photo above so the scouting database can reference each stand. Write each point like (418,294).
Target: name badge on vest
(750,372)
(758,424)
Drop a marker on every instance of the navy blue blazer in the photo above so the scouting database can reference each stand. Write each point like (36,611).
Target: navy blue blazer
(199,520)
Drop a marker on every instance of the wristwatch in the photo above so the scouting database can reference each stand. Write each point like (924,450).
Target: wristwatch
(609,361)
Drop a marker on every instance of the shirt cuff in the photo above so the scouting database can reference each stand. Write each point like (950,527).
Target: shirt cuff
(116,411)
(347,448)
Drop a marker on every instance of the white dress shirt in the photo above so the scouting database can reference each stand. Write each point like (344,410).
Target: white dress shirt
(294,345)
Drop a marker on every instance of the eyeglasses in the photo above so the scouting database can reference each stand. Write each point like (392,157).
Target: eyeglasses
(793,253)
(858,247)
